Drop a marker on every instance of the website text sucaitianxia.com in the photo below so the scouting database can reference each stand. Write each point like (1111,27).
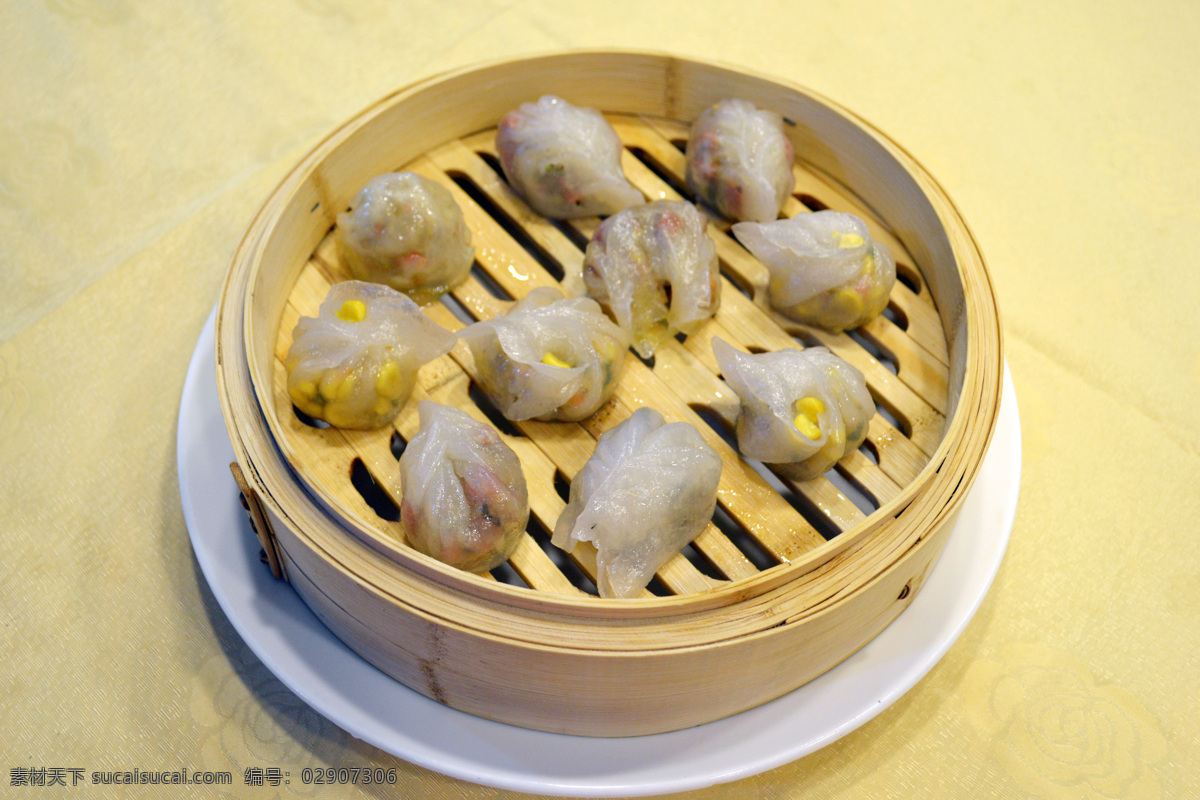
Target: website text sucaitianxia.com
(41,776)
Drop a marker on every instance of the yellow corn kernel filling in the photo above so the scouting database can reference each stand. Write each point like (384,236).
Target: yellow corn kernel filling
(305,389)
(389,382)
(807,410)
(846,241)
(382,407)
(329,385)
(554,361)
(336,387)
(851,299)
(339,416)
(352,311)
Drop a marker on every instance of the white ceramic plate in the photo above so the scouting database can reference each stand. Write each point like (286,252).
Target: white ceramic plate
(347,690)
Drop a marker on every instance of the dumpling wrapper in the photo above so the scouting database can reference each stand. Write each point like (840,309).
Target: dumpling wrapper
(465,498)
(776,425)
(565,161)
(826,270)
(548,357)
(739,161)
(406,231)
(646,492)
(355,363)
(655,269)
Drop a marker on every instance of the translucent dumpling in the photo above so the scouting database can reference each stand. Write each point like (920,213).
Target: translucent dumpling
(654,268)
(406,231)
(355,363)
(801,410)
(739,161)
(646,492)
(826,270)
(465,499)
(564,160)
(549,357)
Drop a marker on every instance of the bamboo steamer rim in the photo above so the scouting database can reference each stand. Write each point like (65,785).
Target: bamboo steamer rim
(936,493)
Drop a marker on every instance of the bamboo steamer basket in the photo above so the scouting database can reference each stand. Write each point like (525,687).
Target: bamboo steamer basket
(788,581)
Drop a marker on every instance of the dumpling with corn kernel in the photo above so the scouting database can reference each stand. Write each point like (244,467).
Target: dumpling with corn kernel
(801,410)
(465,501)
(406,231)
(826,270)
(548,357)
(564,160)
(654,269)
(355,363)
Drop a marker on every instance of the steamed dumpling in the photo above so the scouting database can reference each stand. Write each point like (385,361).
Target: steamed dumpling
(565,161)
(406,231)
(549,357)
(739,161)
(646,492)
(355,363)
(801,410)
(465,498)
(826,270)
(654,268)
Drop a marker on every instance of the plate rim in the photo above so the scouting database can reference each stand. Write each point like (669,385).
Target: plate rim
(260,631)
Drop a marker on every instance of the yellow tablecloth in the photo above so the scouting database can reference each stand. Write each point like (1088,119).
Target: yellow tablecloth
(138,138)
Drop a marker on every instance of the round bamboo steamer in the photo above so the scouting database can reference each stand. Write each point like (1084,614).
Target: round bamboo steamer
(788,581)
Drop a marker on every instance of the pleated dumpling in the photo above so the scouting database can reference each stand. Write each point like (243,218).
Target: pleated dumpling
(654,268)
(801,410)
(646,492)
(548,357)
(826,270)
(739,161)
(355,363)
(465,499)
(564,160)
(406,231)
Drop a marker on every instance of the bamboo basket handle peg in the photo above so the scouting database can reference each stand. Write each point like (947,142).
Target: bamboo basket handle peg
(269,554)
